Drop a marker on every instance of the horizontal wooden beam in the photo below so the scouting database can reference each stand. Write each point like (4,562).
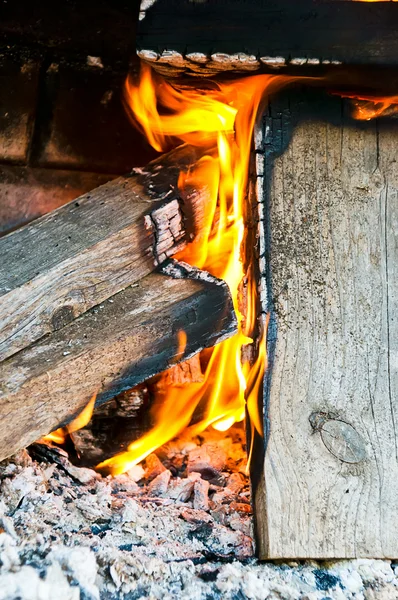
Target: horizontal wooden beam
(109,349)
(209,36)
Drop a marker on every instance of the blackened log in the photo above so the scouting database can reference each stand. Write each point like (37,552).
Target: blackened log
(180,36)
(72,259)
(109,349)
(113,426)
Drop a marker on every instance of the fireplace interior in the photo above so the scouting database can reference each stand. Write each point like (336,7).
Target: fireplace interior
(120,477)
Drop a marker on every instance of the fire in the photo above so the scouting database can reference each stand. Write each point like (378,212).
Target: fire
(371,107)
(59,435)
(222,115)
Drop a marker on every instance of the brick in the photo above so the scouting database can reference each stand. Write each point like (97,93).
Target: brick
(86,126)
(18,93)
(27,193)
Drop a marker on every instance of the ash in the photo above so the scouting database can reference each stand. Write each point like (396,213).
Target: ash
(177,526)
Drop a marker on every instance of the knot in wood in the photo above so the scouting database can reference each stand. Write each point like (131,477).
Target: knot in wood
(340,438)
(62,317)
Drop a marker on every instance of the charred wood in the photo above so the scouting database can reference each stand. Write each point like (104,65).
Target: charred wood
(195,38)
(110,348)
(113,426)
(74,258)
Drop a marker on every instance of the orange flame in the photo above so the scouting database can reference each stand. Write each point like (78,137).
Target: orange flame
(59,435)
(366,108)
(223,113)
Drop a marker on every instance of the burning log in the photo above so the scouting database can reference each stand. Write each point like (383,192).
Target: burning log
(110,348)
(113,425)
(206,38)
(74,258)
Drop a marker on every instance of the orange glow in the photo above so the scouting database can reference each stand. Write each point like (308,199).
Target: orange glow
(182,344)
(223,114)
(371,107)
(59,435)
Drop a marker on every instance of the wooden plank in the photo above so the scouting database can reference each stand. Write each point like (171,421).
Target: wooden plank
(62,264)
(109,349)
(353,33)
(329,487)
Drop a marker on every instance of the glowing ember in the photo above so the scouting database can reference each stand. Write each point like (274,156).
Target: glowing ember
(371,107)
(223,113)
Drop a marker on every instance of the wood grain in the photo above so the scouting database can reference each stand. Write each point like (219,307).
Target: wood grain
(329,488)
(109,349)
(70,260)
(209,36)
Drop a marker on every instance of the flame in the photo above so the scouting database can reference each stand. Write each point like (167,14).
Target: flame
(182,344)
(222,114)
(59,435)
(366,108)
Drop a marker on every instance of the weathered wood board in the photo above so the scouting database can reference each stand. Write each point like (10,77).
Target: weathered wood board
(111,348)
(57,267)
(329,487)
(244,35)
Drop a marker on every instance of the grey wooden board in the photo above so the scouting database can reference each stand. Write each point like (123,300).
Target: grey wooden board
(331,227)
(57,267)
(111,348)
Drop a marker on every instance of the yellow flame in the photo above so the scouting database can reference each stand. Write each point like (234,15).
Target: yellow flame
(59,435)
(224,113)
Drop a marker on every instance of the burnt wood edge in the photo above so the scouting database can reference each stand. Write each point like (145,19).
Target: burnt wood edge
(107,350)
(214,35)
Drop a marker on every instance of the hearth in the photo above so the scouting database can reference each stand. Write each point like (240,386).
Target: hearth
(196,309)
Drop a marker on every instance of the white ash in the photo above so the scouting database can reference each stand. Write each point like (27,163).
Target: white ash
(69,534)
(182,270)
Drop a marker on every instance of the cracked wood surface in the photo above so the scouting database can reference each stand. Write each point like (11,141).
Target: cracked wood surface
(329,487)
(205,38)
(111,348)
(61,265)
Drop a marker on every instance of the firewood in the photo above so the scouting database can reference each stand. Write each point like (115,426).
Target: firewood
(72,259)
(206,38)
(328,483)
(111,348)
